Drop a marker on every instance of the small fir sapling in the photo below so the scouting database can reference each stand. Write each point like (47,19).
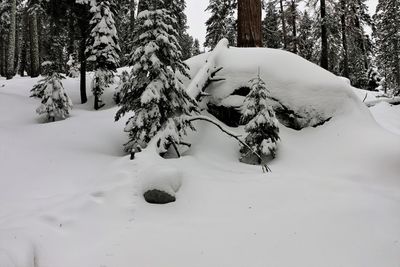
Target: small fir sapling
(55,101)
(374,79)
(261,124)
(103,49)
(153,92)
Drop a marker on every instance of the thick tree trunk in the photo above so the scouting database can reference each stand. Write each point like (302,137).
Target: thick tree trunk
(285,42)
(294,29)
(324,37)
(344,39)
(249,23)
(34,45)
(11,40)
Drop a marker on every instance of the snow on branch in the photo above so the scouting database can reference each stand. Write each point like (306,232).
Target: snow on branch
(207,72)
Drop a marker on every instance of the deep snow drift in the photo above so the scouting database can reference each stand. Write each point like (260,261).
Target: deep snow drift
(69,196)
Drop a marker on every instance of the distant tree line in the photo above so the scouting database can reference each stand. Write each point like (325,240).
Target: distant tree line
(331,33)
(60,31)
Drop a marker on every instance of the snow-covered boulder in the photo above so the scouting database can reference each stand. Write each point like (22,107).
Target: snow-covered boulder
(303,94)
(160,184)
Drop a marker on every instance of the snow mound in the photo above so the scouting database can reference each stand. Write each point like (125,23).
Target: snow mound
(311,93)
(162,177)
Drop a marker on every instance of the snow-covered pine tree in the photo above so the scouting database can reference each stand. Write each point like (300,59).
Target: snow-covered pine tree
(153,92)
(306,37)
(196,48)
(261,124)
(356,45)
(387,35)
(55,101)
(221,24)
(103,50)
(271,33)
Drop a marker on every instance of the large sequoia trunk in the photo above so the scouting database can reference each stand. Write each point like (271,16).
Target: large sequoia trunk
(249,23)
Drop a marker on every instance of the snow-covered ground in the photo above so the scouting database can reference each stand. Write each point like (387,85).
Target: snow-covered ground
(69,197)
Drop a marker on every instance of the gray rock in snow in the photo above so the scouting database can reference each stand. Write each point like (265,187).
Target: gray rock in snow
(155,196)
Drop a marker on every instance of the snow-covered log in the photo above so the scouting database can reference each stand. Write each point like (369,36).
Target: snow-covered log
(206,73)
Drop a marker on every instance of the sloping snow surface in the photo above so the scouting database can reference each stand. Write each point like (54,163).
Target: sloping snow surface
(69,197)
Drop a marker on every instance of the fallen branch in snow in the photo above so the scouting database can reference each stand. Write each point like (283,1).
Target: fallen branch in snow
(265,167)
(206,74)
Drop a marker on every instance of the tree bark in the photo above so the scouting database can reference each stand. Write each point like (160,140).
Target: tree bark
(34,45)
(249,23)
(344,39)
(397,61)
(285,42)
(294,30)
(324,37)
(2,57)
(84,28)
(11,41)
(24,46)
(82,59)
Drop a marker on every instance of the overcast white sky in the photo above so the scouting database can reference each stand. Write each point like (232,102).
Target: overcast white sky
(197,17)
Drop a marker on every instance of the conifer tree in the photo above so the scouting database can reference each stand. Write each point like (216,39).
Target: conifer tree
(261,125)
(221,24)
(271,33)
(153,91)
(196,48)
(103,50)
(306,38)
(55,102)
(387,35)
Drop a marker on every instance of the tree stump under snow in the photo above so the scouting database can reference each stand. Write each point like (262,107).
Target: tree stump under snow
(156,196)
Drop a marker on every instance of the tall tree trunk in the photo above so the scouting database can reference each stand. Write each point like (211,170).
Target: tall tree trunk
(82,59)
(397,62)
(344,39)
(361,40)
(285,41)
(11,40)
(2,57)
(294,30)
(83,15)
(249,23)
(324,37)
(24,43)
(34,45)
